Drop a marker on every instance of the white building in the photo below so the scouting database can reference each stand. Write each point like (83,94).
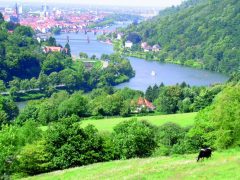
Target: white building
(144,45)
(156,48)
(147,49)
(119,36)
(20,9)
(128,44)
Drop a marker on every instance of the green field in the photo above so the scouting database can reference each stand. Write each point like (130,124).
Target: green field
(222,165)
(107,124)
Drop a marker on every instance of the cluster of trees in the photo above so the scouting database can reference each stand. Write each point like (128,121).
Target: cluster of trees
(27,150)
(98,103)
(8,110)
(181,97)
(61,73)
(111,102)
(198,33)
(22,56)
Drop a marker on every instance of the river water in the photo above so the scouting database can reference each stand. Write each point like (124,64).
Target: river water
(169,74)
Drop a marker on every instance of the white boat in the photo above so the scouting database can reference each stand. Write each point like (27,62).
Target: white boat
(153,73)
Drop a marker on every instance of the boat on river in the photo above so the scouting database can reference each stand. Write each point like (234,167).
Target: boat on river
(153,73)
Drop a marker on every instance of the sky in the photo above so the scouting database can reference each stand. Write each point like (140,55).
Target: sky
(142,3)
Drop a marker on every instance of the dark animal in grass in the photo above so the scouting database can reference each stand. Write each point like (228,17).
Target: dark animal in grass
(204,153)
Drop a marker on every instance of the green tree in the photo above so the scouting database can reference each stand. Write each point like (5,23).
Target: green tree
(2,86)
(149,93)
(70,145)
(218,125)
(168,99)
(1,18)
(83,55)
(133,139)
(77,104)
(52,41)
(12,139)
(168,136)
(185,105)
(135,38)
(33,159)
(53,63)
(24,31)
(43,81)
(68,49)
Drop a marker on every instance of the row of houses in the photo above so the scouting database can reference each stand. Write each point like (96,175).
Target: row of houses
(144,46)
(48,49)
(147,48)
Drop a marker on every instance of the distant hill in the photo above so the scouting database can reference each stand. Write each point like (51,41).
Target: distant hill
(224,165)
(203,32)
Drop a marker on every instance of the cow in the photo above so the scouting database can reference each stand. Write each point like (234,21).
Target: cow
(204,153)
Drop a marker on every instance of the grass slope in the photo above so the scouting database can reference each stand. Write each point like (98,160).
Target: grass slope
(107,124)
(222,165)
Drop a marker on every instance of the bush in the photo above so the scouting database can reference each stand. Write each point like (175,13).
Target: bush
(170,138)
(70,145)
(33,159)
(133,139)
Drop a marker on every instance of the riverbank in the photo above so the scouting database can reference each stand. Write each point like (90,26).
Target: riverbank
(152,57)
(169,74)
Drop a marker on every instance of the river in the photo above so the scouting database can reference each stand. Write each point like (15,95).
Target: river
(169,74)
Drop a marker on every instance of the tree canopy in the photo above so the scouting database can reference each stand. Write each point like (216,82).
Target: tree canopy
(199,33)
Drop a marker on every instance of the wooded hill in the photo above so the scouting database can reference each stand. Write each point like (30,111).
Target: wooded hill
(204,33)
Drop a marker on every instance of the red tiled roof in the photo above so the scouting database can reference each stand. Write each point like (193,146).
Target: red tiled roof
(52,49)
(145,102)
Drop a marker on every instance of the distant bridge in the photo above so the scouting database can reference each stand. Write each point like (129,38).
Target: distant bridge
(75,39)
(95,31)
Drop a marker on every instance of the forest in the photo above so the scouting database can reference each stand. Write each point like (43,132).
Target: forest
(198,33)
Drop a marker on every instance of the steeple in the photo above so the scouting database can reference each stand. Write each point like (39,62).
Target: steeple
(16,10)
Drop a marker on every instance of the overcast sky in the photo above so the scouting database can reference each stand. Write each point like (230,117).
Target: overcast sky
(152,3)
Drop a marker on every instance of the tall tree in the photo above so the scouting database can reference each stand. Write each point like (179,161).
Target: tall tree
(68,49)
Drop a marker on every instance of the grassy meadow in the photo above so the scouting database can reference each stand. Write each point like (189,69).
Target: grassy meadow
(222,165)
(108,124)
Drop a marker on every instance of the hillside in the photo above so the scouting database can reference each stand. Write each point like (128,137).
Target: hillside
(200,33)
(107,124)
(223,165)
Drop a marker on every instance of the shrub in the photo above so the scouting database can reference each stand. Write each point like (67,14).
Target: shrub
(70,145)
(133,139)
(33,159)
(168,136)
